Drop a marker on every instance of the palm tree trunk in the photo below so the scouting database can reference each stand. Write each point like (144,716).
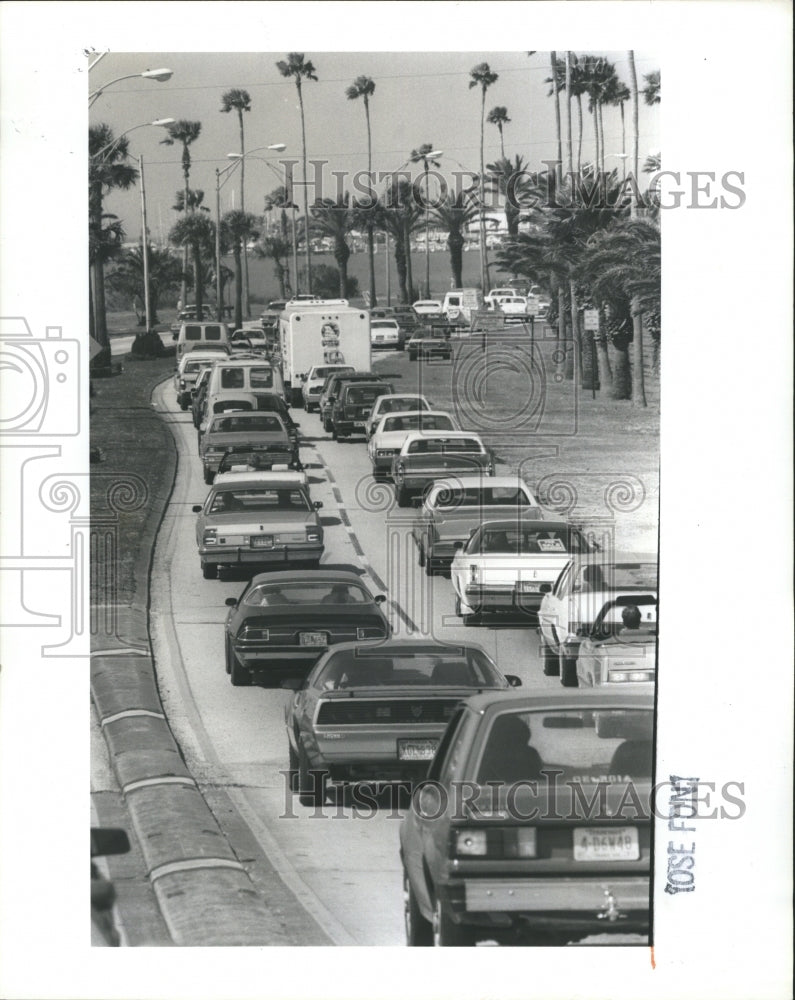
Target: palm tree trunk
(561,338)
(484,266)
(342,253)
(638,384)
(183,288)
(307,249)
(238,286)
(622,373)
(579,134)
(604,372)
(502,143)
(370,235)
(623,143)
(602,134)
(407,252)
(569,159)
(455,245)
(554,59)
(198,280)
(576,338)
(246,304)
(400,264)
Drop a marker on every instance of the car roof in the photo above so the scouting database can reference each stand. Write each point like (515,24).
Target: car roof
(491,702)
(316,576)
(456,435)
(238,362)
(269,478)
(527,522)
(414,646)
(400,395)
(481,481)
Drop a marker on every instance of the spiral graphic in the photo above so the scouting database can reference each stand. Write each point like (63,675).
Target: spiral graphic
(373,496)
(471,378)
(59,495)
(127,494)
(560,494)
(623,496)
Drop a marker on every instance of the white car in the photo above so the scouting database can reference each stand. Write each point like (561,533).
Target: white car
(504,564)
(385,333)
(393,403)
(497,293)
(315,381)
(188,370)
(514,307)
(394,428)
(581,592)
(427,307)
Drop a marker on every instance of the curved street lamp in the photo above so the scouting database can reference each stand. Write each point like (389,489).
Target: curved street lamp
(158,122)
(160,75)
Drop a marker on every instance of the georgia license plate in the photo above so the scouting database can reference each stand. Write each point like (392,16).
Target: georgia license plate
(312,639)
(262,542)
(529,588)
(417,749)
(617,844)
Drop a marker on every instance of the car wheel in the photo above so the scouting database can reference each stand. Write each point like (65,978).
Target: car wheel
(328,427)
(209,571)
(239,676)
(419,931)
(402,496)
(446,933)
(311,783)
(208,477)
(568,672)
(549,661)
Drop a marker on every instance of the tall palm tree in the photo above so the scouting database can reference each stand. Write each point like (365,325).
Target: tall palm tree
(240,101)
(186,133)
(483,77)
(238,228)
(108,170)
(421,155)
(398,216)
(277,249)
(364,87)
(454,215)
(298,69)
(195,200)
(334,218)
(509,178)
(196,233)
(651,92)
(638,387)
(557,86)
(617,94)
(499,116)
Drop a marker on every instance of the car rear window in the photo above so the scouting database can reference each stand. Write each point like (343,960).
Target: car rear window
(518,541)
(402,403)
(327,592)
(254,422)
(193,333)
(351,668)
(491,496)
(418,421)
(361,395)
(444,446)
(257,500)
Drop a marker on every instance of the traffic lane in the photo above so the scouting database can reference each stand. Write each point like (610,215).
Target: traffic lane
(234,739)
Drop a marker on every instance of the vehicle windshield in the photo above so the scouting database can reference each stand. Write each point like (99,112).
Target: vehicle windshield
(584,745)
(433,446)
(258,423)
(364,394)
(260,500)
(235,378)
(401,404)
(320,592)
(442,668)
(525,541)
(487,496)
(418,421)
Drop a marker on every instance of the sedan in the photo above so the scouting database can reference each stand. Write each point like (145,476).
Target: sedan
(257,519)
(514,308)
(534,824)
(504,565)
(426,345)
(376,711)
(385,333)
(283,623)
(315,380)
(427,307)
(392,431)
(240,427)
(395,402)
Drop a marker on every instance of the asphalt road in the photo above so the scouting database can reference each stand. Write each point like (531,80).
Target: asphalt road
(338,875)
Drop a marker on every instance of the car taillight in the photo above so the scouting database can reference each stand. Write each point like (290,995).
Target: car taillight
(625,676)
(496,842)
(313,535)
(386,452)
(248,634)
(210,536)
(370,632)
(474,573)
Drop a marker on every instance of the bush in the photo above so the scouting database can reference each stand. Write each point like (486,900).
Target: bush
(326,282)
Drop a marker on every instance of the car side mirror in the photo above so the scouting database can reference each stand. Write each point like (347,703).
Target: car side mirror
(231,602)
(513,680)
(196,508)
(545,588)
(379,598)
(317,504)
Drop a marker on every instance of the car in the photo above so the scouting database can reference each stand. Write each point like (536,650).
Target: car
(497,293)
(426,344)
(257,519)
(514,308)
(199,395)
(246,374)
(375,711)
(353,405)
(382,312)
(427,307)
(331,390)
(616,654)
(385,333)
(453,508)
(188,315)
(187,373)
(427,456)
(407,318)
(275,306)
(195,335)
(394,428)
(533,825)
(392,403)
(572,604)
(504,564)
(251,337)
(260,400)
(240,458)
(283,622)
(267,430)
(315,380)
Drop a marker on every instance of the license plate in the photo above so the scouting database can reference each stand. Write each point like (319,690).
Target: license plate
(617,844)
(262,542)
(312,639)
(529,588)
(417,749)
(358,423)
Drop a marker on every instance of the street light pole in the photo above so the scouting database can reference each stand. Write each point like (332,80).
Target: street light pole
(144,247)
(150,74)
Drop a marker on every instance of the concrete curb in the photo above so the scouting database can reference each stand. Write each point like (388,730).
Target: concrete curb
(204,893)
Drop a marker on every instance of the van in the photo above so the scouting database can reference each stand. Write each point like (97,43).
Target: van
(245,375)
(192,335)
(461,304)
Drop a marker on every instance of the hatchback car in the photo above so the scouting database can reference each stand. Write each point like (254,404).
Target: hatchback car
(283,623)
(534,823)
(257,520)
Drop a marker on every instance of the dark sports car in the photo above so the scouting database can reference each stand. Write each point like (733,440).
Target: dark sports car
(283,622)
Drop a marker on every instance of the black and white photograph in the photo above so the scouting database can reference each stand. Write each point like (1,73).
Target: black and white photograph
(376,572)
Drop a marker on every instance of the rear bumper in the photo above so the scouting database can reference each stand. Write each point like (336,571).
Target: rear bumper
(279,556)
(506,598)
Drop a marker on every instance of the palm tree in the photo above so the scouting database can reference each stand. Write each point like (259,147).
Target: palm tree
(238,228)
(277,249)
(334,218)
(398,216)
(618,94)
(482,77)
(364,87)
(638,387)
(511,181)
(127,277)
(186,133)
(422,155)
(108,170)
(499,116)
(651,92)
(196,233)
(195,199)
(240,101)
(556,87)
(299,69)
(454,215)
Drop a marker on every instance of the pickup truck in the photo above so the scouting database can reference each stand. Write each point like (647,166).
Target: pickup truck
(427,456)
(453,508)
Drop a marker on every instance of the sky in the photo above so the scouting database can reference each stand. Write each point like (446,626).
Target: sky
(420,97)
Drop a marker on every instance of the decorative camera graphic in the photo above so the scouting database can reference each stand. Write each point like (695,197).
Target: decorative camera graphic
(41,378)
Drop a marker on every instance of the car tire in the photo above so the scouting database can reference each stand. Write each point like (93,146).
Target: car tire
(328,427)
(549,661)
(238,676)
(209,571)
(446,933)
(402,496)
(311,783)
(568,671)
(208,477)
(419,931)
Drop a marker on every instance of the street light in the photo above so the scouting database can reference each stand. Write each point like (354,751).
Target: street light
(219,308)
(158,122)
(150,74)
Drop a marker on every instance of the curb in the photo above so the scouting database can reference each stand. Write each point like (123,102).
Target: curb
(204,893)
